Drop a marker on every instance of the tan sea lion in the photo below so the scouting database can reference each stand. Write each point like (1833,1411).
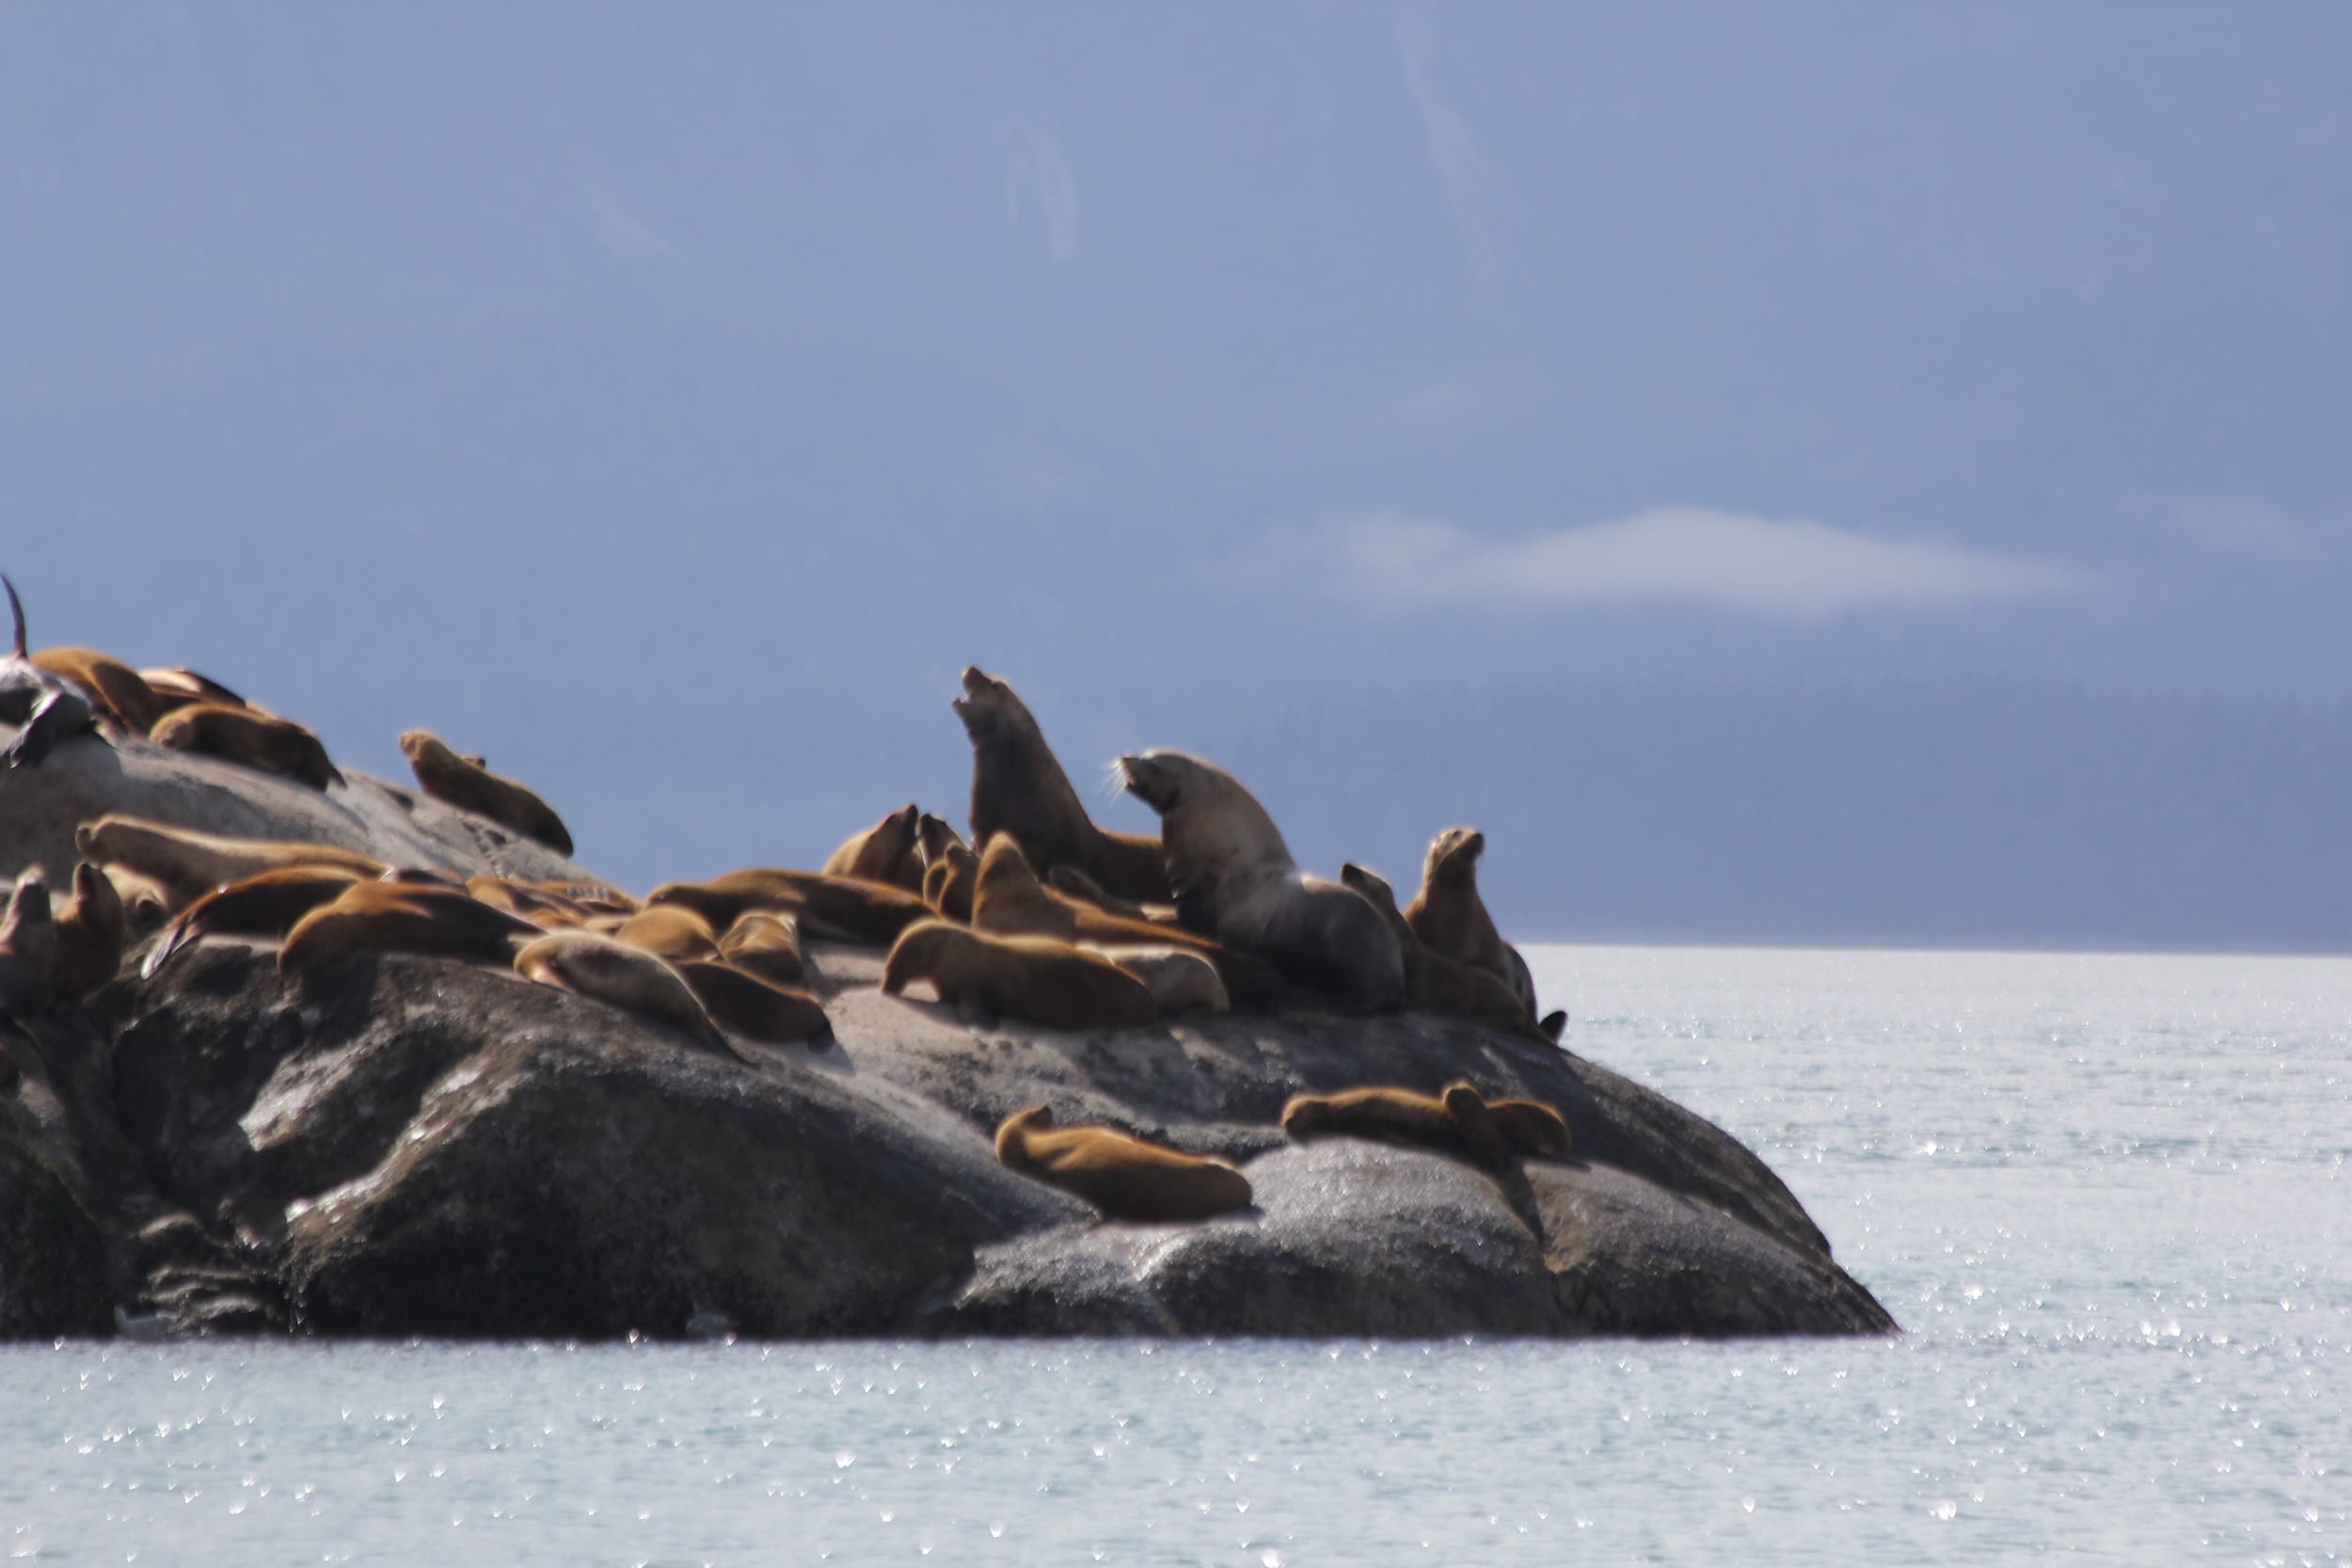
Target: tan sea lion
(92,930)
(767,944)
(844,908)
(1454,1122)
(249,739)
(28,946)
(933,837)
(390,917)
(751,1007)
(1448,914)
(465,783)
(1035,978)
(266,904)
(177,686)
(1434,982)
(1124,1177)
(1181,979)
(1019,788)
(950,881)
(1234,879)
(627,977)
(44,708)
(547,911)
(885,852)
(670,931)
(114,688)
(1532,1128)
(191,863)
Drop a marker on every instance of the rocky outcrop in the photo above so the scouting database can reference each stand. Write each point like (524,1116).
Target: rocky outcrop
(397,1145)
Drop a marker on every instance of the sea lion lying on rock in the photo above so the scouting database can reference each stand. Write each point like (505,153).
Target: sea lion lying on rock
(464,782)
(1459,1121)
(394,917)
(845,908)
(627,977)
(115,691)
(669,931)
(191,863)
(751,1007)
(1035,978)
(1123,1175)
(1018,787)
(249,738)
(1234,879)
(266,904)
(1181,979)
(768,944)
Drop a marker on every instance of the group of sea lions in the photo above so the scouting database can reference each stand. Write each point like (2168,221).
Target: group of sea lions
(1051,919)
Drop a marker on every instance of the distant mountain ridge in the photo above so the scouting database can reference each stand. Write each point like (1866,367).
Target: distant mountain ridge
(1930,811)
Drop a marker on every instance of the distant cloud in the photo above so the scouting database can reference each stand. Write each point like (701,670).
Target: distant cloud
(1478,193)
(1033,164)
(1689,555)
(623,232)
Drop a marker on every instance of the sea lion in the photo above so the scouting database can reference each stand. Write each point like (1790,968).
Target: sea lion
(392,918)
(844,907)
(933,837)
(1181,979)
(177,686)
(1019,788)
(950,881)
(753,1007)
(1532,1129)
(191,863)
(44,708)
(669,931)
(885,852)
(1433,982)
(597,898)
(147,904)
(92,931)
(1071,882)
(1454,1122)
(464,782)
(249,739)
(546,910)
(767,944)
(1448,914)
(28,946)
(1234,879)
(1124,1177)
(114,688)
(627,977)
(266,904)
(1035,978)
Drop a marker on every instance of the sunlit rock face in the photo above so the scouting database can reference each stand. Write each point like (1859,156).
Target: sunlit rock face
(396,1144)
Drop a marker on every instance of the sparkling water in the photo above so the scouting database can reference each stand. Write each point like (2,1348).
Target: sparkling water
(2105,1196)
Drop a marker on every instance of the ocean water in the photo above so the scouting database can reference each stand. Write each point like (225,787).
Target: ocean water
(2106,1197)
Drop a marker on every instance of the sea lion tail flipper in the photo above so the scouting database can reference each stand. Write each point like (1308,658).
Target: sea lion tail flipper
(1553,1023)
(16,609)
(175,936)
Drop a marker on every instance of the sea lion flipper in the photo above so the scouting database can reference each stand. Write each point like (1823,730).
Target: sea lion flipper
(16,609)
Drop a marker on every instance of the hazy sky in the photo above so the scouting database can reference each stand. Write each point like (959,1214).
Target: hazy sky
(668,401)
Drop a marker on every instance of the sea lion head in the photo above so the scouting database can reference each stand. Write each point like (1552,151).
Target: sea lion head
(422,747)
(1211,826)
(30,901)
(989,706)
(1454,856)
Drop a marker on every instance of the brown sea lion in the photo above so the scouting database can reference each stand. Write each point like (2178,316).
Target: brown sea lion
(885,852)
(1454,1122)
(115,690)
(670,931)
(1433,982)
(768,944)
(249,739)
(147,904)
(1234,879)
(1532,1128)
(28,946)
(751,1007)
(625,976)
(1019,788)
(463,783)
(1448,914)
(1181,979)
(390,917)
(44,708)
(843,908)
(266,904)
(933,837)
(177,686)
(950,881)
(92,930)
(191,863)
(1035,978)
(1124,1177)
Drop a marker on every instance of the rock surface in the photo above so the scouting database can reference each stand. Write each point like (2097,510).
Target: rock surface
(396,1145)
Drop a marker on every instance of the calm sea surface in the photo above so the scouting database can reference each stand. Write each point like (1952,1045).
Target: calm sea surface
(2107,1198)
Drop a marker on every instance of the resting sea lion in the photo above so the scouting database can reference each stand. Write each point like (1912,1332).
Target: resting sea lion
(1234,879)
(626,977)
(950,881)
(1035,978)
(90,935)
(767,944)
(1448,914)
(751,1007)
(669,931)
(1454,1122)
(1181,979)
(266,904)
(846,908)
(1434,982)
(546,910)
(390,917)
(44,708)
(1123,1175)
(28,946)
(593,896)
(464,782)
(190,863)
(885,852)
(1019,788)
(114,688)
(177,686)
(250,738)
